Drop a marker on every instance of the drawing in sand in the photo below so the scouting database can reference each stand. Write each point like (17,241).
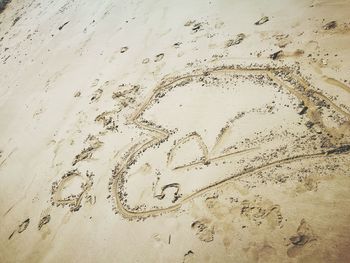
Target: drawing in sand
(174,131)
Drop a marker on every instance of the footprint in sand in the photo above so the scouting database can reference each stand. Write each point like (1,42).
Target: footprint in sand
(204,231)
(23,226)
(159,57)
(304,235)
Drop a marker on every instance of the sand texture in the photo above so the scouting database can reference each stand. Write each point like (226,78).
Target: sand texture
(175,131)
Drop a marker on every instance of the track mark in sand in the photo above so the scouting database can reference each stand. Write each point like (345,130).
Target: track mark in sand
(45,218)
(285,78)
(124,93)
(71,189)
(145,61)
(257,211)
(126,97)
(62,26)
(91,199)
(330,25)
(276,55)
(204,230)
(189,23)
(106,118)
(235,41)
(86,153)
(177,44)
(23,226)
(196,26)
(22,197)
(77,94)
(304,235)
(261,21)
(308,184)
(159,57)
(43,221)
(97,95)
(188,257)
(124,49)
(6,158)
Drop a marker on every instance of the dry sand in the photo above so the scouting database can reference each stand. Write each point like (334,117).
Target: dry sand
(175,131)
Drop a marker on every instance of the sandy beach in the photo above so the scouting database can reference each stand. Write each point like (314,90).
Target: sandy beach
(175,131)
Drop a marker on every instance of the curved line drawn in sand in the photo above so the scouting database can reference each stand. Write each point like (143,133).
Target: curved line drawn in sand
(73,200)
(176,194)
(284,77)
(337,83)
(192,136)
(209,156)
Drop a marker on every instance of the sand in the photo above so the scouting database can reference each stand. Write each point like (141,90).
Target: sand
(175,131)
